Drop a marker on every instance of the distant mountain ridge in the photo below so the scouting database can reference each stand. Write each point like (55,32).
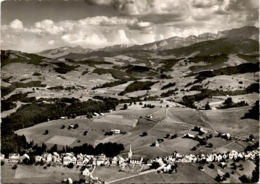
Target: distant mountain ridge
(247,32)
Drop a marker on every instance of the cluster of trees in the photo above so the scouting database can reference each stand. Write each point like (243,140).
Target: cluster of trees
(239,69)
(171,84)
(109,149)
(136,86)
(7,105)
(168,64)
(208,93)
(228,103)
(169,93)
(6,90)
(149,106)
(111,84)
(254,112)
(64,68)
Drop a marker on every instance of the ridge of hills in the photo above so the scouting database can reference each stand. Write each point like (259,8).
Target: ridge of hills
(247,32)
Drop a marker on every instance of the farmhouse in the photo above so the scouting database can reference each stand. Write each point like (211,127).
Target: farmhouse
(2,156)
(157,143)
(96,114)
(25,156)
(116,131)
(188,135)
(66,160)
(14,157)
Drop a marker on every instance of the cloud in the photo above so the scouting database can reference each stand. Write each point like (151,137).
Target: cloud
(204,3)
(51,42)
(16,25)
(136,25)
(99,2)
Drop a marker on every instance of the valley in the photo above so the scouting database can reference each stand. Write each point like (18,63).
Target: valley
(192,96)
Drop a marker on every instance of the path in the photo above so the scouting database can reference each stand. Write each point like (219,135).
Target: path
(142,173)
(201,117)
(7,113)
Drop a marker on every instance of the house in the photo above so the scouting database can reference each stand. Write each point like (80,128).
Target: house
(48,158)
(232,154)
(2,156)
(14,157)
(114,161)
(80,162)
(188,135)
(101,160)
(25,156)
(74,160)
(116,131)
(157,144)
(38,158)
(202,130)
(96,114)
(167,168)
(66,160)
(86,172)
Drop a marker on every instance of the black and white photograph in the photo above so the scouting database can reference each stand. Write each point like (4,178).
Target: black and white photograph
(129,91)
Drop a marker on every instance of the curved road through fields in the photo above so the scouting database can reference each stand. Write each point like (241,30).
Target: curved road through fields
(201,117)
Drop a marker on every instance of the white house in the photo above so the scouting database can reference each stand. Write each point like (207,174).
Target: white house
(25,156)
(2,156)
(96,114)
(188,135)
(86,172)
(14,157)
(116,131)
(38,158)
(66,160)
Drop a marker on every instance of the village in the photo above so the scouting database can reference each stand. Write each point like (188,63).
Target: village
(132,163)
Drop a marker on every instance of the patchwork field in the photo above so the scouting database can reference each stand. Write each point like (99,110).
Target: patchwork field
(61,140)
(117,119)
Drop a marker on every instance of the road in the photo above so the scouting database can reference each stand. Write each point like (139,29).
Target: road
(201,117)
(142,173)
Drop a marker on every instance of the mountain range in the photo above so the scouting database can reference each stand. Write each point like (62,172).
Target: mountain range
(240,35)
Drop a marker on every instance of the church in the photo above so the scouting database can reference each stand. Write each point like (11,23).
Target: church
(134,159)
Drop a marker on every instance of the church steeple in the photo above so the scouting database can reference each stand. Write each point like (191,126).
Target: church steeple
(130,153)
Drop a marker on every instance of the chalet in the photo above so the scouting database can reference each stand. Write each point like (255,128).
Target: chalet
(114,161)
(14,157)
(66,160)
(38,158)
(157,144)
(80,162)
(167,168)
(116,131)
(232,154)
(86,172)
(188,135)
(202,130)
(74,160)
(63,117)
(96,114)
(25,156)
(101,160)
(2,156)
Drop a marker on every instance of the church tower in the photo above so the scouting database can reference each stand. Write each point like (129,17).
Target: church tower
(130,153)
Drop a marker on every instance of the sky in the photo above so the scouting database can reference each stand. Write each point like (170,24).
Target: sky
(33,26)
